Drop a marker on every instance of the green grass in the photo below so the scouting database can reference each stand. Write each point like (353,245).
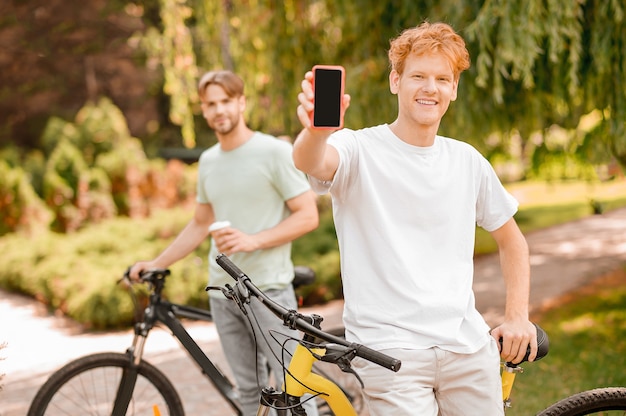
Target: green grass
(587,332)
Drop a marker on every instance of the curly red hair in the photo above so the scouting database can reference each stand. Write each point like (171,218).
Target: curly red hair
(430,38)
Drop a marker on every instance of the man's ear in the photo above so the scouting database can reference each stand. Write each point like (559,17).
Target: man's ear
(242,103)
(455,89)
(394,81)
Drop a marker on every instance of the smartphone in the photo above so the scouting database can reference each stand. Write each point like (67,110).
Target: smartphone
(328,86)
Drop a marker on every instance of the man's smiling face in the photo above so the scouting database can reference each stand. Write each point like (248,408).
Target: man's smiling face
(425,89)
(222,112)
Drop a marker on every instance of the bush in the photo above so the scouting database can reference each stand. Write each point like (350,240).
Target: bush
(127,169)
(320,251)
(98,128)
(20,207)
(77,273)
(94,170)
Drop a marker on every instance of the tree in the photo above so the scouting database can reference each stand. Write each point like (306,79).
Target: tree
(547,63)
(536,63)
(56,56)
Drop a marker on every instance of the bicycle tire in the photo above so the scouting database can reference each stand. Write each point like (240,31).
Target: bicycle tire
(88,385)
(599,401)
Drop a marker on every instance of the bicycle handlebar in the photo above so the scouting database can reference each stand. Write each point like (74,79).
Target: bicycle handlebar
(303,322)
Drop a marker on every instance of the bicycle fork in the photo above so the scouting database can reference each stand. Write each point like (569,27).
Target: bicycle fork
(272,399)
(128,380)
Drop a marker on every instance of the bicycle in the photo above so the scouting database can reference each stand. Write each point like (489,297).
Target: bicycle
(300,379)
(114,383)
(316,346)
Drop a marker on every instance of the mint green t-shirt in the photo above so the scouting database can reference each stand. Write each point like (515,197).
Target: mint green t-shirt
(248,186)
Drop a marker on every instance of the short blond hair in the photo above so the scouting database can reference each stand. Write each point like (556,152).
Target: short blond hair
(228,80)
(428,38)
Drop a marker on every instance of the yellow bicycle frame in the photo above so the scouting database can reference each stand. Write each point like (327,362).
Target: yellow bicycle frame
(508,378)
(300,380)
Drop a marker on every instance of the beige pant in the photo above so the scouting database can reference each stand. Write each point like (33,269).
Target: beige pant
(435,382)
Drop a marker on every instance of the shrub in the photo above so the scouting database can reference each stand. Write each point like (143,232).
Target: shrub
(127,168)
(57,130)
(102,127)
(77,273)
(320,251)
(65,171)
(98,128)
(20,207)
(34,164)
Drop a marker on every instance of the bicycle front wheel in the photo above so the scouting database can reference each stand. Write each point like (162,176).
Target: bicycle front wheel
(89,386)
(603,401)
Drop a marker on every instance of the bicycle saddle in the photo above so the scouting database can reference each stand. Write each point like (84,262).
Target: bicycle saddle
(303,276)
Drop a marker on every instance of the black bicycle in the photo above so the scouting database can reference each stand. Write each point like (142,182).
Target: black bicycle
(111,383)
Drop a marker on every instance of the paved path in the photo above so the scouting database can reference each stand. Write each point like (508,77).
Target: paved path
(563,258)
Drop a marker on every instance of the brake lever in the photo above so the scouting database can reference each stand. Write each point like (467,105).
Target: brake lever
(242,291)
(125,279)
(220,288)
(230,294)
(345,366)
(342,358)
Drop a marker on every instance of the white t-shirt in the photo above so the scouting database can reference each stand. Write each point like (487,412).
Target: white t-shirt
(248,186)
(405,218)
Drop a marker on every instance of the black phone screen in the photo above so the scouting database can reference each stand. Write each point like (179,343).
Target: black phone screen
(328,95)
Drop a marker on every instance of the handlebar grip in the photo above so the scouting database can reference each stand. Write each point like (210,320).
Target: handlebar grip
(543,346)
(231,268)
(378,358)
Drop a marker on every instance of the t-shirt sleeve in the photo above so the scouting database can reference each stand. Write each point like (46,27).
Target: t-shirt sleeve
(289,181)
(201,195)
(494,205)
